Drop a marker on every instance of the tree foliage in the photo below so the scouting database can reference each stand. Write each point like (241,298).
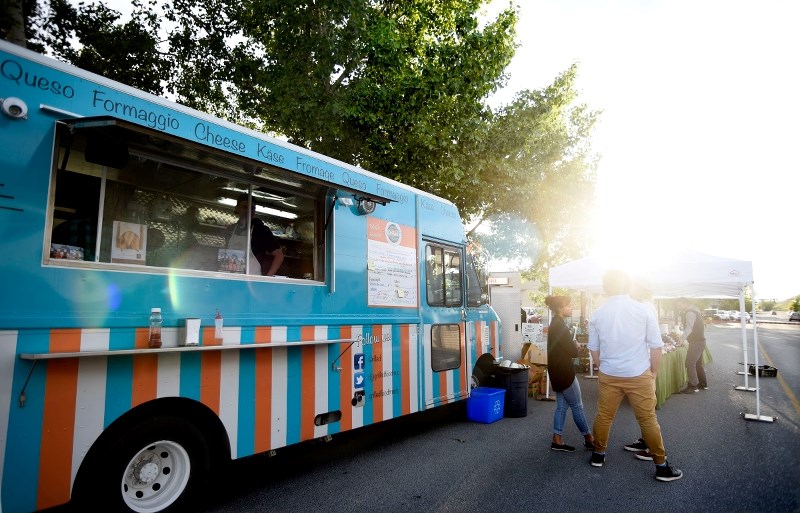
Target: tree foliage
(398,87)
(127,52)
(542,172)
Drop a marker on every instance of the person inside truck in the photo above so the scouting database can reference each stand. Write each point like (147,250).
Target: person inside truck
(266,255)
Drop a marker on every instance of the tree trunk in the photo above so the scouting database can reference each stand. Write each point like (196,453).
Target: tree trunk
(16,33)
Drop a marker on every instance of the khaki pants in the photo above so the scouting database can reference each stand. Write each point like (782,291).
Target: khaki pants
(641,393)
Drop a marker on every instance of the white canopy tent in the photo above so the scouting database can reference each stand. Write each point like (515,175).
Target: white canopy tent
(685,273)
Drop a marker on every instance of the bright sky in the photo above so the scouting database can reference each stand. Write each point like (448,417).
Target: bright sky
(699,131)
(698,137)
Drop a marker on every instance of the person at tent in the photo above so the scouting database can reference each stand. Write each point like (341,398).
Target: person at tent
(694,334)
(561,349)
(625,339)
(642,291)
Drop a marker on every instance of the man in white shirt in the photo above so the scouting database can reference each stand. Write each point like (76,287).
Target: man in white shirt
(624,337)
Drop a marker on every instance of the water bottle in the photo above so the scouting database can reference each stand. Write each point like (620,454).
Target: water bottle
(155,327)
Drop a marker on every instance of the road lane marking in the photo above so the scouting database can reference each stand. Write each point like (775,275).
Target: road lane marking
(782,381)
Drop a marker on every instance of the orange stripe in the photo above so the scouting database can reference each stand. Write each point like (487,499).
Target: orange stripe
(58,423)
(405,361)
(263,392)
(377,370)
(443,386)
(493,338)
(346,378)
(263,334)
(463,374)
(479,338)
(307,333)
(308,383)
(210,369)
(145,371)
(308,390)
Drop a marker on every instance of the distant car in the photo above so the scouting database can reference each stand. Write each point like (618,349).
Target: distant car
(722,315)
(794,316)
(774,312)
(735,315)
(747,317)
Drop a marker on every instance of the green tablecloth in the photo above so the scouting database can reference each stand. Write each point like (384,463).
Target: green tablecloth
(672,373)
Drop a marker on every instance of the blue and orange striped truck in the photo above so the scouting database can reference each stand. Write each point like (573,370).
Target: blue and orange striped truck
(114,202)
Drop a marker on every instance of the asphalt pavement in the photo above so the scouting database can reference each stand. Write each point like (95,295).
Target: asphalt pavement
(438,461)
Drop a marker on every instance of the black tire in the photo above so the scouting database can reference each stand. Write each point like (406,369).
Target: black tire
(172,469)
(482,372)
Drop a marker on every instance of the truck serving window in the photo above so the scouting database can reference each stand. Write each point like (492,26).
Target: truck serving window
(123,196)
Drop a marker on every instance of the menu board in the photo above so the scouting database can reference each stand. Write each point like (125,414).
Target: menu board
(391,264)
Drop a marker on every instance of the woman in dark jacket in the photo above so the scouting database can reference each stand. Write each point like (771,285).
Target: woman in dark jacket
(561,349)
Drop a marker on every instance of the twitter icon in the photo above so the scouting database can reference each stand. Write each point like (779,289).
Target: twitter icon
(358,380)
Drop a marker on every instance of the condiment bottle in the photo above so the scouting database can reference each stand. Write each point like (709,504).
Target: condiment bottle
(218,325)
(155,328)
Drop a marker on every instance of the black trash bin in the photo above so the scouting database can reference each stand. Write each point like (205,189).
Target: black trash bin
(515,383)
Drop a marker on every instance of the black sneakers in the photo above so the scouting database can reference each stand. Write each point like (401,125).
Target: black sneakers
(561,447)
(689,390)
(668,473)
(703,387)
(588,445)
(597,459)
(644,455)
(636,446)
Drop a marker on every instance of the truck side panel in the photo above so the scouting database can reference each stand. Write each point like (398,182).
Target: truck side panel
(266,398)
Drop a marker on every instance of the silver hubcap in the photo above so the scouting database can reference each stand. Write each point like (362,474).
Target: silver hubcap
(156,477)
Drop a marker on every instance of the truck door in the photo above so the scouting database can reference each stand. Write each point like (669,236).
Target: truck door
(444,368)
(507,303)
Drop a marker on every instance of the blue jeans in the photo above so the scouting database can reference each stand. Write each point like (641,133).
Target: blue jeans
(570,398)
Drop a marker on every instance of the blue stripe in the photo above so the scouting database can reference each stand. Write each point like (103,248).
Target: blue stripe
(247,396)
(191,363)
(294,390)
(454,374)
(436,388)
(119,376)
(334,383)
(25,426)
(397,365)
(369,387)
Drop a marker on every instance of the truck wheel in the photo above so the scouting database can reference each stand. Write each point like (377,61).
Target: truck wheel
(482,372)
(159,465)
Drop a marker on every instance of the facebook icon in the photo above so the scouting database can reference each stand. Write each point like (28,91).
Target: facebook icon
(358,361)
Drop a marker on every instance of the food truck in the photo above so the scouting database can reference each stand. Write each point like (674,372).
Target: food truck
(115,203)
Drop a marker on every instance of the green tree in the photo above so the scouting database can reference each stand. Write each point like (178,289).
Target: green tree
(126,52)
(19,23)
(543,178)
(397,87)
(733,304)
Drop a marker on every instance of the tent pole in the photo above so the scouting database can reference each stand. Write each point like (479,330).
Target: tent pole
(757,416)
(591,360)
(746,386)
